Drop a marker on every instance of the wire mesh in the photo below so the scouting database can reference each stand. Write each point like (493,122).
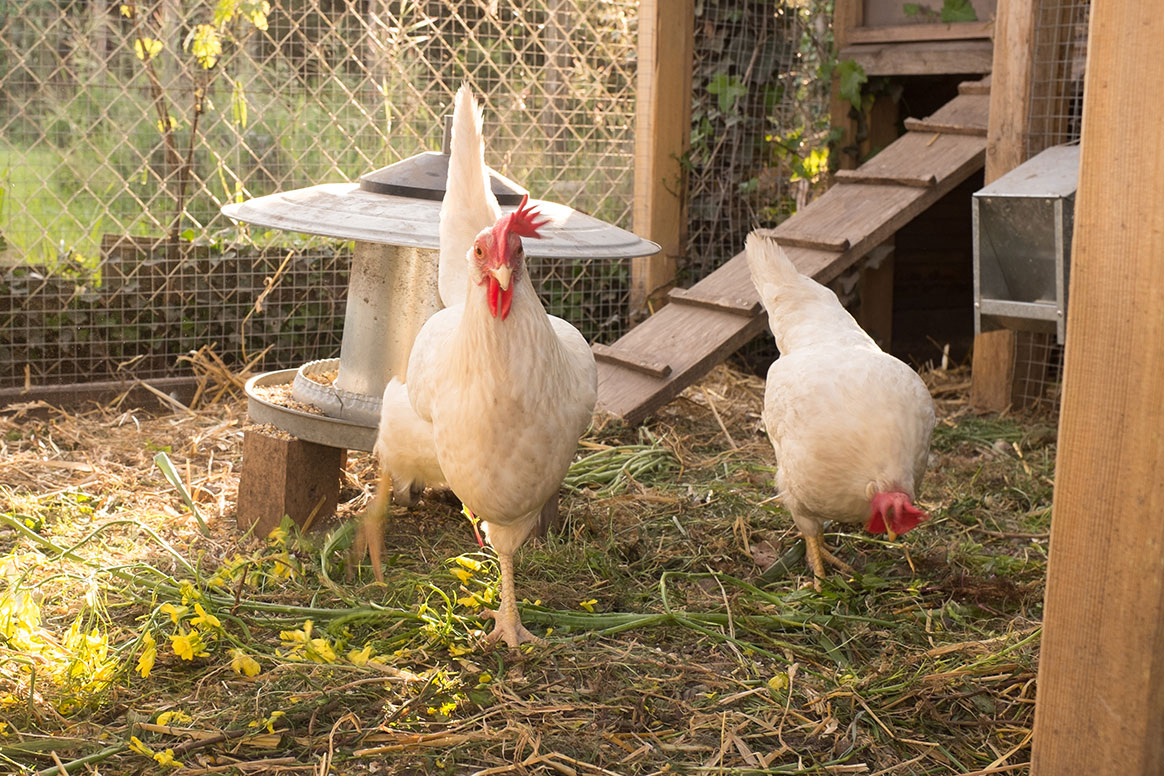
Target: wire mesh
(124,128)
(760,123)
(1058,63)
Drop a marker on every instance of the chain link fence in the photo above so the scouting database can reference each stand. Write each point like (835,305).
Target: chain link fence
(124,127)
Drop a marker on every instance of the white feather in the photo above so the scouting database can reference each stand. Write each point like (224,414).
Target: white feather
(845,419)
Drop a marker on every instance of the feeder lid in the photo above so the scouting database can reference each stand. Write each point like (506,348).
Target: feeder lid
(401,204)
(424,176)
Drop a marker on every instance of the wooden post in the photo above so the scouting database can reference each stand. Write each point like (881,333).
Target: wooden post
(992,365)
(1100,703)
(281,476)
(662,136)
(875,313)
(847,14)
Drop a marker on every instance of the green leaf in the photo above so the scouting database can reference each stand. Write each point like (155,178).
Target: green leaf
(958,11)
(911,9)
(238,105)
(727,89)
(851,76)
(188,235)
(167,467)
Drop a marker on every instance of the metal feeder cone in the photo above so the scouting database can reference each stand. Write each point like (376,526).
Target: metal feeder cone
(393,215)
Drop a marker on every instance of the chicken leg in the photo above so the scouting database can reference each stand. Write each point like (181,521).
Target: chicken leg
(370,532)
(818,555)
(507,623)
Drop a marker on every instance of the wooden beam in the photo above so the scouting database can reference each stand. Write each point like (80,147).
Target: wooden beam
(992,370)
(662,135)
(875,309)
(847,15)
(908,33)
(1100,703)
(1010,92)
(938,57)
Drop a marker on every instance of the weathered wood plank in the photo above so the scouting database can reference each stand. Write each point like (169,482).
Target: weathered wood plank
(695,339)
(906,33)
(981,86)
(857,176)
(847,15)
(969,111)
(699,298)
(927,125)
(1100,702)
(666,42)
(621,356)
(920,155)
(923,58)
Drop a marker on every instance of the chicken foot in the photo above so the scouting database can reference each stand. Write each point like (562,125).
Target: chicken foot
(507,623)
(818,555)
(370,534)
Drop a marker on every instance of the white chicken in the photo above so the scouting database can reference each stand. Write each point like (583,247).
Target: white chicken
(508,389)
(850,424)
(405,446)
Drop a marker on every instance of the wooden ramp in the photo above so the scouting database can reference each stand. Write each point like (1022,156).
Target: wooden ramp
(704,324)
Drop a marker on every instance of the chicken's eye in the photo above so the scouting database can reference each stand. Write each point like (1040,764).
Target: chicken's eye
(477,251)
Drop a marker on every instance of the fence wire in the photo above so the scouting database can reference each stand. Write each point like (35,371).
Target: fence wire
(124,127)
(1056,112)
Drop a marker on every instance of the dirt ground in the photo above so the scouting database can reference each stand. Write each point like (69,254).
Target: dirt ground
(680,636)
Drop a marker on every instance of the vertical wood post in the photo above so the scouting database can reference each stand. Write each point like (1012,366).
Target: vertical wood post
(992,366)
(662,137)
(847,14)
(1100,703)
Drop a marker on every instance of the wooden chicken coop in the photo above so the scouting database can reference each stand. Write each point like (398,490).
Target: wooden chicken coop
(1100,702)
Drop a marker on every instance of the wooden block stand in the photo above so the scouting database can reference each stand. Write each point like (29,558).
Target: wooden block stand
(282,475)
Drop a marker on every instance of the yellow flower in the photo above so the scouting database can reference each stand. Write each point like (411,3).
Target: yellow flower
(188,591)
(177,717)
(320,651)
(126,10)
(167,758)
(147,48)
(278,536)
(462,574)
(243,664)
(188,645)
(175,612)
(204,619)
(456,650)
(470,601)
(136,745)
(588,605)
(149,653)
(470,563)
(282,568)
(484,678)
(359,657)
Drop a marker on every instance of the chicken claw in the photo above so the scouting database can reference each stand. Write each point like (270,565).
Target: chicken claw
(508,629)
(818,555)
(507,623)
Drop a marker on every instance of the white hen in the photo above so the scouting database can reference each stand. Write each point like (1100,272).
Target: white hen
(850,424)
(507,388)
(405,446)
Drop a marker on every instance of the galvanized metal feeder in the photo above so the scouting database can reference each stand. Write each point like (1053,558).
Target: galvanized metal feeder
(1022,245)
(393,216)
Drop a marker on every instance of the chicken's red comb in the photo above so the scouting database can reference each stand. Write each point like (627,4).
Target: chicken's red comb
(526,221)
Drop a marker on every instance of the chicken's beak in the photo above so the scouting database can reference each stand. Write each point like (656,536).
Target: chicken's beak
(503,274)
(500,291)
(889,533)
